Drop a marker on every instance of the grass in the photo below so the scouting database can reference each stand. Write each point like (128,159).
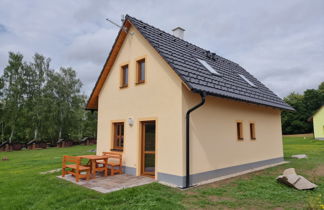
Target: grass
(22,187)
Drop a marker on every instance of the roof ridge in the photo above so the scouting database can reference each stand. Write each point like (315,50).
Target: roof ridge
(194,45)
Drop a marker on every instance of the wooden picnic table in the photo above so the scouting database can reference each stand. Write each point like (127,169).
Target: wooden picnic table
(93,159)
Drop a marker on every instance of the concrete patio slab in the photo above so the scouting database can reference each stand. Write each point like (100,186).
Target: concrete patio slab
(110,183)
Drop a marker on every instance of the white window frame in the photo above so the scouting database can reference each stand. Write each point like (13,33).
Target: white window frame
(247,80)
(208,67)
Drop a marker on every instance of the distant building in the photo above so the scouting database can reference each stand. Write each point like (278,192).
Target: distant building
(318,123)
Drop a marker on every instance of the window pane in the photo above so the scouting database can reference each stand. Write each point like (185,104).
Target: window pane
(141,70)
(142,67)
(126,75)
(116,142)
(150,136)
(247,80)
(149,163)
(121,142)
(239,131)
(207,66)
(118,129)
(118,135)
(252,130)
(122,129)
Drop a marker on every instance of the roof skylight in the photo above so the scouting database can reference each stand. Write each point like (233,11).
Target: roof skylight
(207,66)
(247,80)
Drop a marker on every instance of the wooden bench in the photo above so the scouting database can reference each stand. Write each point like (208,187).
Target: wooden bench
(76,168)
(114,163)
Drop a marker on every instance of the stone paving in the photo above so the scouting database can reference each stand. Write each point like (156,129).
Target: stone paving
(110,183)
(51,171)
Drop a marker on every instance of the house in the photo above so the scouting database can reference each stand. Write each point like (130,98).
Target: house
(182,114)
(318,123)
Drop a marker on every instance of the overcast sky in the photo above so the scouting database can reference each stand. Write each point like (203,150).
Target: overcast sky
(279,42)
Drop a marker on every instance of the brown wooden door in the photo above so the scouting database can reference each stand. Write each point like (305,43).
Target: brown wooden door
(148,148)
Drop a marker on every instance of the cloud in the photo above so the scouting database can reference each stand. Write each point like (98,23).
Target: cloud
(2,28)
(92,47)
(88,73)
(285,66)
(280,42)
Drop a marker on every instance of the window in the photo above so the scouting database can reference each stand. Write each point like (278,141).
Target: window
(247,80)
(118,143)
(239,127)
(252,131)
(208,67)
(124,76)
(140,71)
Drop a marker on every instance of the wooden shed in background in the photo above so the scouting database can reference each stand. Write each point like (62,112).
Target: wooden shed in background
(5,147)
(88,141)
(61,143)
(33,144)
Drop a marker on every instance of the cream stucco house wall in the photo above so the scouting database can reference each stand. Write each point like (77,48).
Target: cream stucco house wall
(143,96)
(142,102)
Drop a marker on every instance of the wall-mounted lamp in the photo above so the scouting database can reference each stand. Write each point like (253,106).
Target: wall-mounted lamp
(130,122)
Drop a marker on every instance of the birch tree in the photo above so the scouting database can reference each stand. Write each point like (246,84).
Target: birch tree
(13,92)
(37,102)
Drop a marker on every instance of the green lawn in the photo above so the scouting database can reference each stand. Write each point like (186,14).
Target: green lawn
(22,187)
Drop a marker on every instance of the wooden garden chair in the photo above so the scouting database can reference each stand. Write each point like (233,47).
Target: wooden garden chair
(114,162)
(76,168)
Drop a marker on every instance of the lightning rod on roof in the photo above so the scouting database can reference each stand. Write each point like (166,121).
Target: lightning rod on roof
(115,24)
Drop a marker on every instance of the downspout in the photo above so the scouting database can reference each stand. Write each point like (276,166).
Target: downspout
(203,99)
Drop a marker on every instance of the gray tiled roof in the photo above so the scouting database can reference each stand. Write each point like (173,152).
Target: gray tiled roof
(182,57)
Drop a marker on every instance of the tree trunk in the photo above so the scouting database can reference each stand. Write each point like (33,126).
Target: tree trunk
(35,134)
(60,133)
(11,135)
(61,120)
(2,131)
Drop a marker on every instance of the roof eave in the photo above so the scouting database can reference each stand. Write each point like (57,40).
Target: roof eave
(92,103)
(246,101)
